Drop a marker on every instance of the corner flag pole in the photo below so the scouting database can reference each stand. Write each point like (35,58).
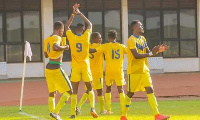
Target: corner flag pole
(27,52)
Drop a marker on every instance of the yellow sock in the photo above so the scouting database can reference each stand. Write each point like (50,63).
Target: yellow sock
(122,97)
(127,103)
(153,103)
(83,99)
(73,103)
(51,104)
(108,101)
(91,98)
(61,102)
(101,103)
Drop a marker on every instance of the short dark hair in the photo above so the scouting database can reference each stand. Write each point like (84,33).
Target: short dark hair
(58,25)
(94,36)
(112,34)
(134,22)
(79,26)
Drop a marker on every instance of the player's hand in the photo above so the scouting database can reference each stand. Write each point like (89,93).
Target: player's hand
(75,8)
(163,48)
(66,47)
(159,48)
(155,49)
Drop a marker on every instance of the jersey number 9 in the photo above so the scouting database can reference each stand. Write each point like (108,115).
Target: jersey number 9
(115,54)
(79,47)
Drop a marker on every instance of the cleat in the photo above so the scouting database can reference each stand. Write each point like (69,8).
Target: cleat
(109,112)
(161,117)
(78,111)
(55,116)
(123,118)
(93,113)
(72,117)
(103,112)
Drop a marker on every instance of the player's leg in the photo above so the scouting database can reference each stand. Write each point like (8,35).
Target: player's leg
(74,99)
(132,87)
(87,78)
(64,86)
(51,101)
(97,85)
(51,88)
(121,95)
(151,97)
(108,99)
(127,103)
(91,99)
(81,102)
(101,101)
(75,79)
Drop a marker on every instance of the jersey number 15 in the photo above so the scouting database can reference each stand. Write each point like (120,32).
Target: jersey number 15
(115,54)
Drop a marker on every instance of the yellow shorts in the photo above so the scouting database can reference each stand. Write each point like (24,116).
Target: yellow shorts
(97,83)
(57,80)
(118,82)
(138,82)
(81,73)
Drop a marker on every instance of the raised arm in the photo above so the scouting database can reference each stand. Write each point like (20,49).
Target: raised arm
(88,23)
(69,22)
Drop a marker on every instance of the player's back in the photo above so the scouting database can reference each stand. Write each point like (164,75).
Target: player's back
(79,46)
(48,46)
(114,55)
(96,62)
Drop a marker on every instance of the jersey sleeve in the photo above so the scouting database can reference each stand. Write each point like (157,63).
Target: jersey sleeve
(56,40)
(125,49)
(87,34)
(69,34)
(131,44)
(101,49)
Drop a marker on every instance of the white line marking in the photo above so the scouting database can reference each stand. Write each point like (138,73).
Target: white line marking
(32,116)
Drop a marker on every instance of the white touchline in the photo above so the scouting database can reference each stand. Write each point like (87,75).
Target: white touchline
(32,116)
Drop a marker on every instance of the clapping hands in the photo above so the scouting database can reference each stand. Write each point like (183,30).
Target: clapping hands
(76,9)
(159,49)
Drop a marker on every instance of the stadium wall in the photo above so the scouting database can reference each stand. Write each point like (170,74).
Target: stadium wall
(14,70)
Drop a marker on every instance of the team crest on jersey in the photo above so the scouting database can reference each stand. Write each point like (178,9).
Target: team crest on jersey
(141,47)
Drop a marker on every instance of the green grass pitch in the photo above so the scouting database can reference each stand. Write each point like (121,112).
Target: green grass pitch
(178,110)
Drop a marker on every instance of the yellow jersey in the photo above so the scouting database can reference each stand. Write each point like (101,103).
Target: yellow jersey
(48,46)
(114,55)
(79,46)
(96,62)
(137,66)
